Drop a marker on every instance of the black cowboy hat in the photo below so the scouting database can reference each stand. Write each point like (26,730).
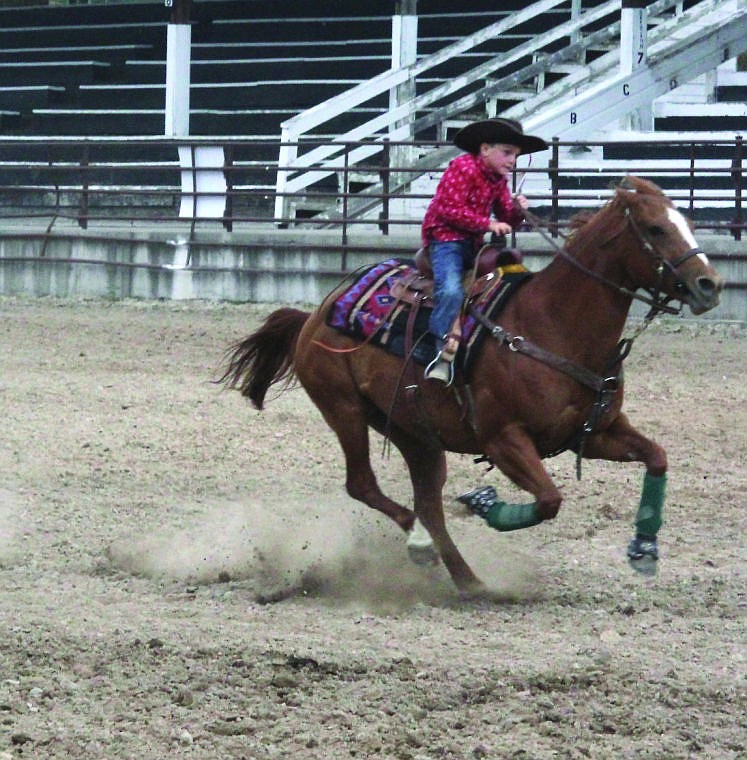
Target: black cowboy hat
(493,131)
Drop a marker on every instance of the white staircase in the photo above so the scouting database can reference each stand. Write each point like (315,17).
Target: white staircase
(679,50)
(596,83)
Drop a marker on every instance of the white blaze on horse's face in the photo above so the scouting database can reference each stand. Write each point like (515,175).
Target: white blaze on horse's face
(681,224)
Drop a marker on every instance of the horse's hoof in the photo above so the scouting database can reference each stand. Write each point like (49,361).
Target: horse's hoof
(420,546)
(425,556)
(643,555)
(480,500)
(476,591)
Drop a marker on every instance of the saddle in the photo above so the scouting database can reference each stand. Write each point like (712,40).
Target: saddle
(382,305)
(417,287)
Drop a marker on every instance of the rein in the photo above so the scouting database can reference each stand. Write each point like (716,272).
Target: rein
(587,378)
(604,387)
(658,303)
(521,345)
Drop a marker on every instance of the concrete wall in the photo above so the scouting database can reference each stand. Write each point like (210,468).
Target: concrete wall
(282,266)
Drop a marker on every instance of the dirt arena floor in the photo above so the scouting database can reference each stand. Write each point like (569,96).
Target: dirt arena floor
(151,522)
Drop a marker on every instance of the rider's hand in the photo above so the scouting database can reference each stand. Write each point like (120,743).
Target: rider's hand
(521,202)
(500,228)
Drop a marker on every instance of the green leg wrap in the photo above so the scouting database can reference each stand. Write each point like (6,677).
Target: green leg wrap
(505,517)
(496,513)
(648,520)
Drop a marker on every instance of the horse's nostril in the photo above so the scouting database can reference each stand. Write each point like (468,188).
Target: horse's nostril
(708,287)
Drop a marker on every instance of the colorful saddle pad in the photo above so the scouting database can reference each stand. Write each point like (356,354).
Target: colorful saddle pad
(367,310)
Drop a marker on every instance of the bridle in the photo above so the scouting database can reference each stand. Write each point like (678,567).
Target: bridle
(656,299)
(661,262)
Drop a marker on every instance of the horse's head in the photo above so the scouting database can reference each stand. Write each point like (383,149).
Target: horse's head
(669,259)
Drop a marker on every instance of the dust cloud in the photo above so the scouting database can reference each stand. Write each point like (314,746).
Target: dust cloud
(338,550)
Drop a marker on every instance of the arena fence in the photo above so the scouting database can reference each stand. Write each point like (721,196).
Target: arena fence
(167,180)
(189,203)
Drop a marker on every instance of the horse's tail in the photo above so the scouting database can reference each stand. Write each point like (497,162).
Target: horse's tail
(265,357)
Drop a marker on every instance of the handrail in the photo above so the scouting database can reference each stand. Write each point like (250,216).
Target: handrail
(371,127)
(293,130)
(316,115)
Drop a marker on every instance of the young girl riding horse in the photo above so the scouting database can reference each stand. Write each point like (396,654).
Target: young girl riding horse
(471,199)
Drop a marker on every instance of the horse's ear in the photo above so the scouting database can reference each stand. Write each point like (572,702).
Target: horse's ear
(640,186)
(627,191)
(627,184)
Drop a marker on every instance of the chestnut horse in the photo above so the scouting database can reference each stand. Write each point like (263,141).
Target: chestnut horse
(551,379)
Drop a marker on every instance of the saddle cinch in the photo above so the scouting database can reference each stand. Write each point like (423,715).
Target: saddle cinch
(417,287)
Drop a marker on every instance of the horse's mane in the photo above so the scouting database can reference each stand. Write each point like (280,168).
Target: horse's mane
(580,219)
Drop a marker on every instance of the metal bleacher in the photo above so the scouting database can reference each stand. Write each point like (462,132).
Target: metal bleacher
(252,68)
(99,71)
(104,66)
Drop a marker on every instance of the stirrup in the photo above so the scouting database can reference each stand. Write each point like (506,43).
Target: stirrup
(440,369)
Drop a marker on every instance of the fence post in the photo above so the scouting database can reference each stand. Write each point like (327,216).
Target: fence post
(193,199)
(691,206)
(83,210)
(736,176)
(385,173)
(552,170)
(345,192)
(228,210)
(57,192)
(287,154)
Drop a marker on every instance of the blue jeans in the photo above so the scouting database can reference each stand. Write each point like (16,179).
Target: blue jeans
(448,261)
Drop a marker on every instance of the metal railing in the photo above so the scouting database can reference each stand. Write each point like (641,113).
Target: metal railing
(141,184)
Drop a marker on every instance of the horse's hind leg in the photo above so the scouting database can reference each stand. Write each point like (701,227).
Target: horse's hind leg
(427,468)
(348,420)
(328,380)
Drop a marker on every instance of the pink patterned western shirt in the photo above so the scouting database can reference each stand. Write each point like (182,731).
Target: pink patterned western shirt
(465,197)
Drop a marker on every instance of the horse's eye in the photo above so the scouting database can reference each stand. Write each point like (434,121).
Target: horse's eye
(655,230)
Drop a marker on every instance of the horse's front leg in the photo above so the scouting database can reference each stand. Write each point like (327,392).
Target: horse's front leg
(621,442)
(513,452)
